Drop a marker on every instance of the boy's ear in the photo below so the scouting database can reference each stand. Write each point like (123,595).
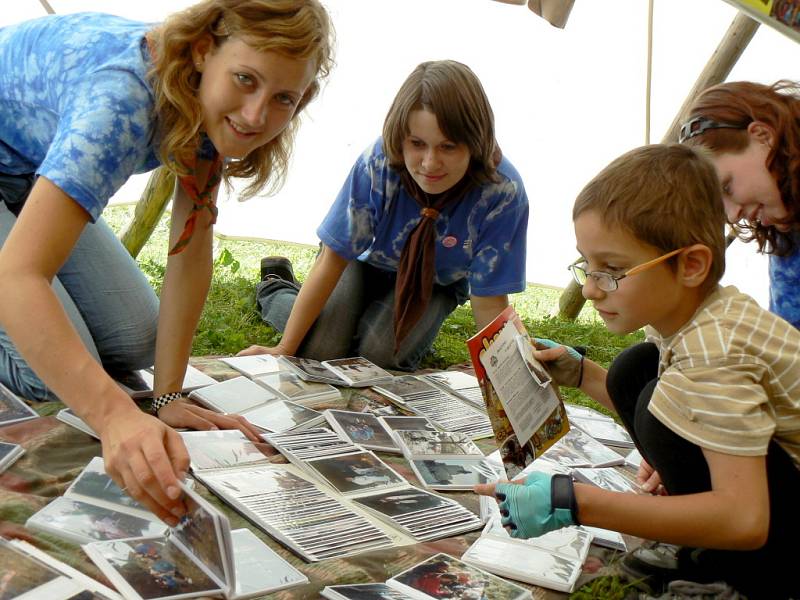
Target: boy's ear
(694,265)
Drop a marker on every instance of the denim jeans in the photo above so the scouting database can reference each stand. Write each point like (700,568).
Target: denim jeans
(104,294)
(763,573)
(358,318)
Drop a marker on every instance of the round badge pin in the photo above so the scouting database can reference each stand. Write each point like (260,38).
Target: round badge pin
(449,241)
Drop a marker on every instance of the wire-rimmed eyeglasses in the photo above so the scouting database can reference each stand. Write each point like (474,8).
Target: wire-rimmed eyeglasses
(608,282)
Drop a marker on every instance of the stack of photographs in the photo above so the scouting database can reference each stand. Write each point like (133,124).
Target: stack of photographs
(358,371)
(364,429)
(139,384)
(309,369)
(442,576)
(422,515)
(296,512)
(253,366)
(351,372)
(605,431)
(194,559)
(598,425)
(554,560)
(298,446)
(95,508)
(9,454)
(363,591)
(28,573)
(460,384)
(12,409)
(200,556)
(607,478)
(446,460)
(68,416)
(371,484)
(290,386)
(260,406)
(448,412)
(355,472)
(225,449)
(407,423)
(577,449)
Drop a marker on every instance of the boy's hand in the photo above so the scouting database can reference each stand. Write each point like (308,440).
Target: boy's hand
(649,479)
(564,363)
(535,507)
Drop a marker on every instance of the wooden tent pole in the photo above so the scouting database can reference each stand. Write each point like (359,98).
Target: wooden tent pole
(719,66)
(148,211)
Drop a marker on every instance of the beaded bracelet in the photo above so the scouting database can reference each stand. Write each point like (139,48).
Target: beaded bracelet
(163,400)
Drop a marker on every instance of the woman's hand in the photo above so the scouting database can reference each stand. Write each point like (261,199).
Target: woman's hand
(183,413)
(146,458)
(255,349)
(649,479)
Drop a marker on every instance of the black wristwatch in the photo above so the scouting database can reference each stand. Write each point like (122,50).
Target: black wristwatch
(562,495)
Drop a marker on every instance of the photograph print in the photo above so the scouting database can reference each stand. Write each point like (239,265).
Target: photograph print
(454,473)
(357,472)
(12,409)
(361,428)
(198,532)
(20,574)
(403,502)
(153,569)
(78,520)
(443,576)
(93,482)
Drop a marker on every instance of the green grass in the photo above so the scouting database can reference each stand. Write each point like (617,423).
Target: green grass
(230,321)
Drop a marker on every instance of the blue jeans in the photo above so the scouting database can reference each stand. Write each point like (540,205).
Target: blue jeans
(105,295)
(358,318)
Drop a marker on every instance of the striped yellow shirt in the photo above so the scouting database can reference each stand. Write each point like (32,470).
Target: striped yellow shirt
(729,379)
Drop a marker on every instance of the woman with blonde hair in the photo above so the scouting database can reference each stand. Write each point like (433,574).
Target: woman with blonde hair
(430,215)
(87,100)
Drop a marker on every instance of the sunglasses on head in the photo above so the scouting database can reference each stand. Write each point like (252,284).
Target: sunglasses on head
(700,125)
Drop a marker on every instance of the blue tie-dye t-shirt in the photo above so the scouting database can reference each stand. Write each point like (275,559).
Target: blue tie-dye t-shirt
(75,105)
(784,284)
(480,239)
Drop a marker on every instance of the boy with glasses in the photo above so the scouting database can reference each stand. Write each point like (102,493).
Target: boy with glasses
(712,399)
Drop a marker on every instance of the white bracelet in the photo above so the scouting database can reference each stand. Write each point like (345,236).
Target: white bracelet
(163,400)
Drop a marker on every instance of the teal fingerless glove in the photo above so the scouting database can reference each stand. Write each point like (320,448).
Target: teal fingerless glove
(567,369)
(544,503)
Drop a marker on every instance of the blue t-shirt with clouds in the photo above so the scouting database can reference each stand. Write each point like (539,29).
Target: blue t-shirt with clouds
(480,239)
(75,104)
(784,284)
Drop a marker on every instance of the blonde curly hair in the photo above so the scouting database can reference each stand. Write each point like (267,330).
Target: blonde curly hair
(295,28)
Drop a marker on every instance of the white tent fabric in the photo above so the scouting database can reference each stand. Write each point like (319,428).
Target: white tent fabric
(566,101)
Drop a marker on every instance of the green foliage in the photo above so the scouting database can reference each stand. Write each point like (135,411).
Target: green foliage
(230,320)
(606,588)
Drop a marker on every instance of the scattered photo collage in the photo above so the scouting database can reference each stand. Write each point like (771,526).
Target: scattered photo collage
(447,411)
(296,512)
(440,576)
(374,486)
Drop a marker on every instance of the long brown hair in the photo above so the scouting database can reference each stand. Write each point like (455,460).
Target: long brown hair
(452,92)
(740,103)
(296,28)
